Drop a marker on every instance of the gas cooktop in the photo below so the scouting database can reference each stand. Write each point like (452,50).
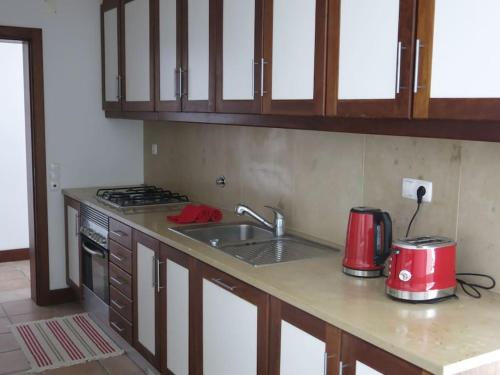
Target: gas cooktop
(143,196)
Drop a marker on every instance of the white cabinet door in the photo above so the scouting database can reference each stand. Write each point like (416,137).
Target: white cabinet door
(293,51)
(198,49)
(177,284)
(169,84)
(229,333)
(137,51)
(465,58)
(301,353)
(368,55)
(238,49)
(362,369)
(146,297)
(111,72)
(72,236)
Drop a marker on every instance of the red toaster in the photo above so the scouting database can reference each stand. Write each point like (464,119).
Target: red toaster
(422,269)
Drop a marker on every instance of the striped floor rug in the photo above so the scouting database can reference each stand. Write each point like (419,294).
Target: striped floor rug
(64,341)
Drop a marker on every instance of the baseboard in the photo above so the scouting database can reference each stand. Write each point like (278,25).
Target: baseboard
(14,255)
(59,296)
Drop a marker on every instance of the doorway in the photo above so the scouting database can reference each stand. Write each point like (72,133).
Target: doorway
(14,220)
(27,42)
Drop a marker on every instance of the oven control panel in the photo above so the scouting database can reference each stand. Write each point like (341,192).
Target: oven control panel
(94,236)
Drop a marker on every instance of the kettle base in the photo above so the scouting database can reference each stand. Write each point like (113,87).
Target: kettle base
(362,273)
(420,296)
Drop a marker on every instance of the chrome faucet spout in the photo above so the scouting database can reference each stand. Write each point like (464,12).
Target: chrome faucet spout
(279,219)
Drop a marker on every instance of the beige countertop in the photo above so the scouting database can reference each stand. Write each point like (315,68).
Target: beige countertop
(444,338)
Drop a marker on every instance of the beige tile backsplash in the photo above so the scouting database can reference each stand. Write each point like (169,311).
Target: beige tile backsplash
(316,177)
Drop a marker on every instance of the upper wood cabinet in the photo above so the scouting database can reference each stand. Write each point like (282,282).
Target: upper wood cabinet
(198,56)
(294,57)
(138,59)
(375,58)
(458,75)
(239,56)
(168,55)
(110,55)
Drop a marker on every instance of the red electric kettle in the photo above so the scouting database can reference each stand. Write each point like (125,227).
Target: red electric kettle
(368,242)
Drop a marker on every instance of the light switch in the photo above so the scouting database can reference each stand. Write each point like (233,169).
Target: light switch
(54,176)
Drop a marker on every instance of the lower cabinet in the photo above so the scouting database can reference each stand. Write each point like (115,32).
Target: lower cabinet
(234,325)
(73,256)
(175,275)
(147,288)
(302,344)
(362,358)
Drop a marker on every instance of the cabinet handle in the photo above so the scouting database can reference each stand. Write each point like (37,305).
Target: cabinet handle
(117,304)
(158,283)
(342,367)
(263,62)
(154,271)
(398,71)
(253,78)
(93,252)
(179,82)
(116,326)
(115,280)
(119,233)
(119,87)
(222,284)
(417,66)
(77,219)
(119,259)
(326,357)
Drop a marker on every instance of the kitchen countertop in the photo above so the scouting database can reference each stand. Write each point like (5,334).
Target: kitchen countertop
(444,338)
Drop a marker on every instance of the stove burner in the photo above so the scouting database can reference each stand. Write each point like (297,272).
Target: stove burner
(139,196)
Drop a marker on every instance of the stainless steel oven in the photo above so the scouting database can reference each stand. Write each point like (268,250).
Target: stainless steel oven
(95,253)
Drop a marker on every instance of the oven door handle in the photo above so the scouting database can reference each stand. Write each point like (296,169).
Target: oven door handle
(93,252)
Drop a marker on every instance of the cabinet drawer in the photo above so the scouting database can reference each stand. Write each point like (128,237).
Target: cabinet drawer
(120,280)
(120,233)
(121,304)
(120,256)
(120,325)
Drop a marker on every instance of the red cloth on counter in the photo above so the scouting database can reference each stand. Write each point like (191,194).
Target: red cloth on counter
(196,214)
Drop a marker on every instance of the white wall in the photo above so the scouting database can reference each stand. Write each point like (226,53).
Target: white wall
(14,230)
(91,149)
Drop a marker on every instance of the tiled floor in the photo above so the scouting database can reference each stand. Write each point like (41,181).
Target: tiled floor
(13,361)
(15,281)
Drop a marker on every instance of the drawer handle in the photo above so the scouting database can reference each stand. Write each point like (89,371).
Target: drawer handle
(114,279)
(117,304)
(119,233)
(222,284)
(116,326)
(119,259)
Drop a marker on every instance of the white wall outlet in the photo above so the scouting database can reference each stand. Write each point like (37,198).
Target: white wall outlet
(154,149)
(411,185)
(54,176)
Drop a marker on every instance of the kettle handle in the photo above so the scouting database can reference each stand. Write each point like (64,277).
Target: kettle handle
(383,254)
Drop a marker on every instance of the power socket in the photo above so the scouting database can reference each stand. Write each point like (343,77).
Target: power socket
(410,187)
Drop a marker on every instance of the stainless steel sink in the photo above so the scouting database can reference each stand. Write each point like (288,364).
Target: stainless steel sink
(254,244)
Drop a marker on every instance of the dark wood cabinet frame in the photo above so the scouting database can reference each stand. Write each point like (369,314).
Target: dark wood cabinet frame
(315,106)
(36,165)
(105,6)
(199,105)
(139,105)
(68,202)
(238,106)
(401,106)
(153,244)
(307,323)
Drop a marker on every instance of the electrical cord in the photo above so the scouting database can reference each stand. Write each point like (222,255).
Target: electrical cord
(420,194)
(472,289)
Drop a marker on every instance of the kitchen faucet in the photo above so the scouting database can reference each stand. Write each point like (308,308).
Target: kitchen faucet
(279,219)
